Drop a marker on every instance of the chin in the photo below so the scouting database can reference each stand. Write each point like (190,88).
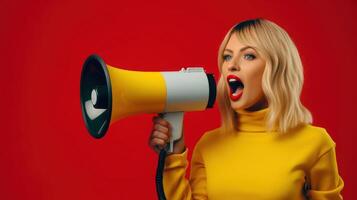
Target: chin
(238,105)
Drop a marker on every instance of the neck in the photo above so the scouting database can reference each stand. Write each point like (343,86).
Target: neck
(252,121)
(263,103)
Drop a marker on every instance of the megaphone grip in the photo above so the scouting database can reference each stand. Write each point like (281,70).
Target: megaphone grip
(176,121)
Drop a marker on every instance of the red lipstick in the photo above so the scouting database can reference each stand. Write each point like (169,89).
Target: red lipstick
(235,87)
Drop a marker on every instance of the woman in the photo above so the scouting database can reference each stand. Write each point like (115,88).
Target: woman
(266,147)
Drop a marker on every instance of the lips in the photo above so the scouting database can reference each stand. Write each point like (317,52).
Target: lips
(236,87)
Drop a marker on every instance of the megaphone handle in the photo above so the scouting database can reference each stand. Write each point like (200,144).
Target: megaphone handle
(176,121)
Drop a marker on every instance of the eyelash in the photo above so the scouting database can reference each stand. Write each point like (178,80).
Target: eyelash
(225,57)
(253,56)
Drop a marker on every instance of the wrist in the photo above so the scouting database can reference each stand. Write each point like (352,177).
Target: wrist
(178,149)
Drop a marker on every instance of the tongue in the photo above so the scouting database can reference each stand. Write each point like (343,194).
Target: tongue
(238,90)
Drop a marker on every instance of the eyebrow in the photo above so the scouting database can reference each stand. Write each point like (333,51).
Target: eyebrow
(242,49)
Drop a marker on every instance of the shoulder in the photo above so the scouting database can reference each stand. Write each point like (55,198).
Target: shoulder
(209,138)
(316,137)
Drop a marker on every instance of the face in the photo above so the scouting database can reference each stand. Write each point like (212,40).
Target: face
(242,70)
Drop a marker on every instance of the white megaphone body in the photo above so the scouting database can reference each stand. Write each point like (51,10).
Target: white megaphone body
(108,94)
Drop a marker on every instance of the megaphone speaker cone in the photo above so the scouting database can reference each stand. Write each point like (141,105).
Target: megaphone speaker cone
(96,96)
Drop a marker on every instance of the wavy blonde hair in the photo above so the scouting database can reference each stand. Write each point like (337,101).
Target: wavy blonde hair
(282,78)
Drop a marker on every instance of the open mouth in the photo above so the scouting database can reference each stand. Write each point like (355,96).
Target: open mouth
(236,87)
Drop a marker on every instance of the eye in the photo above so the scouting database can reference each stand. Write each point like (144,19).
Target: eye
(227,57)
(249,56)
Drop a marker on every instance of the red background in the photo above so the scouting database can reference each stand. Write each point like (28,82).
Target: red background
(45,151)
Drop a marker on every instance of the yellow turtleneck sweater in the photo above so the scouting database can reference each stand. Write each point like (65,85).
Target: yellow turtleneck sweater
(253,164)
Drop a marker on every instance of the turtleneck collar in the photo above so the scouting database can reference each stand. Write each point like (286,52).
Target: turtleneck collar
(252,121)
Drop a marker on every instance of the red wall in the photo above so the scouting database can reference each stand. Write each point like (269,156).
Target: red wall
(45,151)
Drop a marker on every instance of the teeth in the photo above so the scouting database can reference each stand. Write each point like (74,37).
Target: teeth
(232,80)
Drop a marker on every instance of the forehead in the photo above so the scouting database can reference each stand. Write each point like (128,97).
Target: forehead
(235,44)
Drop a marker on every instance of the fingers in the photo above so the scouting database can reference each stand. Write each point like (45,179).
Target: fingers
(157,144)
(161,128)
(162,125)
(160,135)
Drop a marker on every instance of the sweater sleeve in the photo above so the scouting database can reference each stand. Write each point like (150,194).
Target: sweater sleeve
(325,181)
(176,185)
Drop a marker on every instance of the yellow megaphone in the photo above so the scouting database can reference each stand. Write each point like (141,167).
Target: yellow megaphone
(108,94)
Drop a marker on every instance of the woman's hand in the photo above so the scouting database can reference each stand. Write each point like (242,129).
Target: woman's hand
(161,134)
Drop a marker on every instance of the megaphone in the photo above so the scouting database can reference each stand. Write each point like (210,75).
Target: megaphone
(108,94)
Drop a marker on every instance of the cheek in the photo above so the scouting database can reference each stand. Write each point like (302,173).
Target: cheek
(255,89)
(259,88)
(223,71)
(224,74)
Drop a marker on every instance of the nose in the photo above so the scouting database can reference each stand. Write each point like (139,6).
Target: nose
(233,67)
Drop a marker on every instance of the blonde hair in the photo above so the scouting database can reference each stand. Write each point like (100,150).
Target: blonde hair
(282,78)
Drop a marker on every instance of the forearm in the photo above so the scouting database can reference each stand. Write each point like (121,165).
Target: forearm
(176,185)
